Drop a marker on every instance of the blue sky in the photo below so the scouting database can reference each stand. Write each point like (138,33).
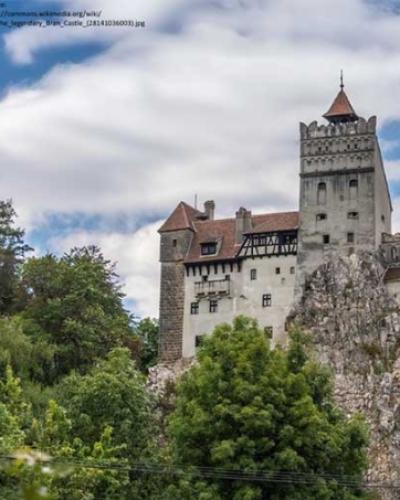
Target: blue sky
(103,131)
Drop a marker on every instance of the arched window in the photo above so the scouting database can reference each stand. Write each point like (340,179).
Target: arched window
(321,193)
(353,185)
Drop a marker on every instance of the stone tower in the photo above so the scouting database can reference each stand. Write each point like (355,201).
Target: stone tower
(176,236)
(344,197)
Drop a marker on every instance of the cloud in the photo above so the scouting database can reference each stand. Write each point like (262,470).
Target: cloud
(211,108)
(136,256)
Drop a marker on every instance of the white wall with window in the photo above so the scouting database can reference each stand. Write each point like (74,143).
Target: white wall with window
(263,289)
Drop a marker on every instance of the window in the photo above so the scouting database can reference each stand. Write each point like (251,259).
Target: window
(253,274)
(321,193)
(326,239)
(194,308)
(382,218)
(208,248)
(350,237)
(204,278)
(321,217)
(213,306)
(266,300)
(198,340)
(352,215)
(174,243)
(353,185)
(268,330)
(292,270)
(277,270)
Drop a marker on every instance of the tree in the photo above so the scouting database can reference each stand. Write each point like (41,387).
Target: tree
(112,394)
(248,408)
(147,331)
(75,303)
(12,252)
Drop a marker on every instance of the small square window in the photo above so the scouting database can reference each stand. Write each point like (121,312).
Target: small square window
(277,270)
(213,306)
(204,278)
(350,237)
(320,217)
(208,248)
(194,308)
(326,239)
(292,270)
(253,274)
(266,300)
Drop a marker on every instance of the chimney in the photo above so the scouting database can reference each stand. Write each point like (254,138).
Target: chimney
(209,208)
(243,224)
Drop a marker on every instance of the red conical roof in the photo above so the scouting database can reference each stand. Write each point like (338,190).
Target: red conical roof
(181,218)
(341,109)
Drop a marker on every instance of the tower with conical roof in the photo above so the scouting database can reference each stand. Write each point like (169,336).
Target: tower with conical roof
(344,197)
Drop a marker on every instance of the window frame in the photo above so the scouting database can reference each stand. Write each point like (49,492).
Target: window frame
(266,300)
(213,306)
(194,308)
(253,274)
(208,248)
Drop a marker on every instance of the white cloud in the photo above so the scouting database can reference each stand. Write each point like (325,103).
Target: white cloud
(212,109)
(136,256)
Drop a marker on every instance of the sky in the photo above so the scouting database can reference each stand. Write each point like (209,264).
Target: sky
(104,130)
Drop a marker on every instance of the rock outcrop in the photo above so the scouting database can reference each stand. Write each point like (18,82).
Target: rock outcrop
(355,325)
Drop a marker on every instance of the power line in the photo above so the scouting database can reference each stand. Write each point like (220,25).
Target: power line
(267,476)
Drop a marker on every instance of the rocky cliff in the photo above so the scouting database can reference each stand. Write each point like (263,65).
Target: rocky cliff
(355,326)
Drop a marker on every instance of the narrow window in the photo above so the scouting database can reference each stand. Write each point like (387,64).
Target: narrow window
(292,270)
(352,215)
(174,243)
(353,185)
(382,218)
(213,306)
(326,239)
(350,237)
(266,300)
(321,193)
(194,308)
(321,217)
(253,274)
(277,270)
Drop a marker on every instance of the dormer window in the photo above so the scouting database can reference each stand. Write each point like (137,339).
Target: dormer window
(209,248)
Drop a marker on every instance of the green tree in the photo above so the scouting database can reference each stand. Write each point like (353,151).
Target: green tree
(75,303)
(112,394)
(147,331)
(12,253)
(248,408)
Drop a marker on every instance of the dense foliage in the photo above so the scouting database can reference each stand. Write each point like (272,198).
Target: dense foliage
(248,408)
(77,420)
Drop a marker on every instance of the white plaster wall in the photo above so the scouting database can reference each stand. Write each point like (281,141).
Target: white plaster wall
(245,298)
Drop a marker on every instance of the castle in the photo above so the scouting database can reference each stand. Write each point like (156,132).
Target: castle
(215,269)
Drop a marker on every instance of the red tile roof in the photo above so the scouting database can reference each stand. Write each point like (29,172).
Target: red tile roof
(181,218)
(341,107)
(223,231)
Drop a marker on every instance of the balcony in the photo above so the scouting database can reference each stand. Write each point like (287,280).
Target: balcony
(212,288)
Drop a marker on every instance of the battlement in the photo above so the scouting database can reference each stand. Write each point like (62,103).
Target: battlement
(346,129)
